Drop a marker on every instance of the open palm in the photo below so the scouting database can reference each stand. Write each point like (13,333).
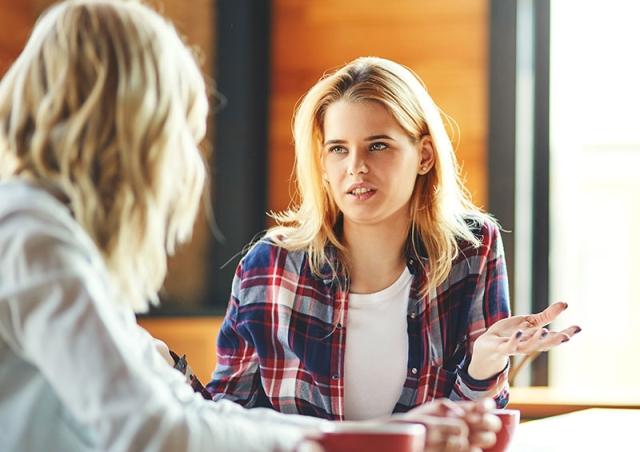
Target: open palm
(524,334)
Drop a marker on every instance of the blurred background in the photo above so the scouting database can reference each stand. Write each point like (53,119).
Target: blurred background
(546,98)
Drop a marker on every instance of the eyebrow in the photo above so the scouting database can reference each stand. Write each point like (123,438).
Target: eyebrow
(371,138)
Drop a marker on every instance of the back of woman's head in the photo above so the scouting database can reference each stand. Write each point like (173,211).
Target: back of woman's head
(439,204)
(107,105)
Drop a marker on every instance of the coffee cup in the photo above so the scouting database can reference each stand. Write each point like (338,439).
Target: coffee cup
(372,437)
(510,420)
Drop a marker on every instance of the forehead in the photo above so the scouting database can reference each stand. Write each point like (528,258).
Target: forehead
(349,119)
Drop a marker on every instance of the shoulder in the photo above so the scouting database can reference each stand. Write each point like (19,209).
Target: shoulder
(38,235)
(486,231)
(482,225)
(267,254)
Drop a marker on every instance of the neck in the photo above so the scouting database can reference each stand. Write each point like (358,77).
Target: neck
(375,254)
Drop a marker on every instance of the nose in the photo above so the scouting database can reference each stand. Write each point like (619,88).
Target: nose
(357,165)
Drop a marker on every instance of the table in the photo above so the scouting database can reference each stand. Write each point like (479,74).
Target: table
(596,429)
(538,402)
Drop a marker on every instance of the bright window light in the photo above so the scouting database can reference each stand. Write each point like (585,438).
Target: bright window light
(595,191)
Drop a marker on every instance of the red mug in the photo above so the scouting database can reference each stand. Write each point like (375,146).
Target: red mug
(372,437)
(510,420)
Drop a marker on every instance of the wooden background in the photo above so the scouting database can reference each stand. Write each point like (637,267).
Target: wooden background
(444,41)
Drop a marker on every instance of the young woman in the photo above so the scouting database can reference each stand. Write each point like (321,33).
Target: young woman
(385,288)
(100,118)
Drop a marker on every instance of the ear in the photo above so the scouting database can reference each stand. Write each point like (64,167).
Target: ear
(427,157)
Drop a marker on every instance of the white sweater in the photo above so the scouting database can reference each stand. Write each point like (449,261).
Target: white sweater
(76,371)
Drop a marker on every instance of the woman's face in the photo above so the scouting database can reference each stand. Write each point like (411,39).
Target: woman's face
(370,163)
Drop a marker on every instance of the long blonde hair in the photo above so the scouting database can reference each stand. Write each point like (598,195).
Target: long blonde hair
(440,204)
(108,105)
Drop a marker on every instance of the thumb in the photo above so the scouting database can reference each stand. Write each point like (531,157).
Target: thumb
(548,315)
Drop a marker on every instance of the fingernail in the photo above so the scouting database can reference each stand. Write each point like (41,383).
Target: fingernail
(544,333)
(565,305)
(578,329)
(565,339)
(519,334)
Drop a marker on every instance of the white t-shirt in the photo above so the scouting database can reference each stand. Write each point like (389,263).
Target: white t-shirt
(76,371)
(375,366)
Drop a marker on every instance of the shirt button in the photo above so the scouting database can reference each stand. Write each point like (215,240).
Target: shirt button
(411,261)
(339,325)
(334,377)
(414,371)
(327,282)
(412,315)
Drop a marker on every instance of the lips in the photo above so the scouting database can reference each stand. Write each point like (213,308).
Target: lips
(361,190)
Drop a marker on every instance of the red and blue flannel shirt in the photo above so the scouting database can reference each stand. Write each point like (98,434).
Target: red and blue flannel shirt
(282,343)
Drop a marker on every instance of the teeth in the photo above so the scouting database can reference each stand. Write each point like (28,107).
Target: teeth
(361,191)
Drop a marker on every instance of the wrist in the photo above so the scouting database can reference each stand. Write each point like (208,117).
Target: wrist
(485,367)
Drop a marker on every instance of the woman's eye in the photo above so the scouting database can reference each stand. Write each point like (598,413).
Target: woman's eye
(337,149)
(378,147)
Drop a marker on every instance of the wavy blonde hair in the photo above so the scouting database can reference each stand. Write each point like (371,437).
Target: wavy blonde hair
(107,105)
(440,204)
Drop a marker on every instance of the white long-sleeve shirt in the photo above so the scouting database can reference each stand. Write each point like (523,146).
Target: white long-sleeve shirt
(76,371)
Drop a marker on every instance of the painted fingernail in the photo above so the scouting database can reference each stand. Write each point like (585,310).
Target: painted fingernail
(519,334)
(577,330)
(544,333)
(565,305)
(566,339)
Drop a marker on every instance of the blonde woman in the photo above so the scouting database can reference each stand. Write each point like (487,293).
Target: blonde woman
(385,288)
(100,118)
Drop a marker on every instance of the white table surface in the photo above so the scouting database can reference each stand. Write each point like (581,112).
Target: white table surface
(596,429)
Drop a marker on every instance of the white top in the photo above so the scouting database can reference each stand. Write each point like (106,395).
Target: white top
(375,363)
(76,371)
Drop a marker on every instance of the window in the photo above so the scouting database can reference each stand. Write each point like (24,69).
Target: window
(595,190)
(564,152)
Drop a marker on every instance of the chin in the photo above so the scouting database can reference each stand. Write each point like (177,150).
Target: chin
(363,220)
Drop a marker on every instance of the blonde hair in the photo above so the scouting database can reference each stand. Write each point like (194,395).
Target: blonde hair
(107,105)
(440,204)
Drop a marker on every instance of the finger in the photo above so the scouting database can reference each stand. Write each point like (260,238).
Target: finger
(534,342)
(563,336)
(511,344)
(547,316)
(482,440)
(485,422)
(456,444)
(483,405)
(571,331)
(553,338)
(454,409)
(439,430)
(439,407)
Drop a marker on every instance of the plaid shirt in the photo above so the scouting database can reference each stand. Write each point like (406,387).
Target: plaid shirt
(282,343)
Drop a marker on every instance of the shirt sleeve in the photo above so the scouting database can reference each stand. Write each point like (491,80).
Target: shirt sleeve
(62,319)
(237,373)
(490,304)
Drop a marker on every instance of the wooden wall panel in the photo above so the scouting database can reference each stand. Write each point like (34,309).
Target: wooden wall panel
(16,21)
(444,41)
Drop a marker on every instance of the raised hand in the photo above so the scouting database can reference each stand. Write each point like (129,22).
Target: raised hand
(517,335)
